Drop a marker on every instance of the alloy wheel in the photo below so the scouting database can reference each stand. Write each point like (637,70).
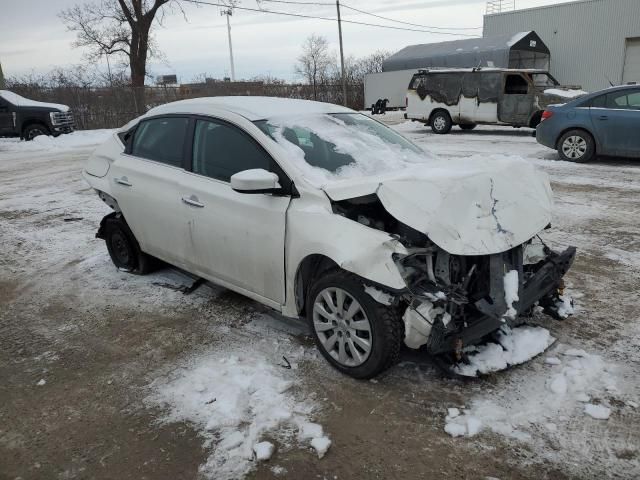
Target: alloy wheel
(574,147)
(342,326)
(439,123)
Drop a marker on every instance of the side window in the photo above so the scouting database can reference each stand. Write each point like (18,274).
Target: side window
(599,102)
(220,150)
(161,139)
(625,100)
(417,81)
(515,85)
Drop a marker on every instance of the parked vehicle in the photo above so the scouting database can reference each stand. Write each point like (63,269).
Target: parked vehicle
(24,118)
(467,97)
(602,123)
(321,212)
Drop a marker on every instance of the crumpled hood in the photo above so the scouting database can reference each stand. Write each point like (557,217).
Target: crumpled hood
(475,206)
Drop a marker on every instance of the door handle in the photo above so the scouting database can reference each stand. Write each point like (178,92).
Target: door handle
(123,181)
(193,201)
(603,117)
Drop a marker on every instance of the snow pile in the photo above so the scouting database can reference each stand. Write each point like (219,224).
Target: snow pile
(565,93)
(511,286)
(563,389)
(515,346)
(235,402)
(77,139)
(370,153)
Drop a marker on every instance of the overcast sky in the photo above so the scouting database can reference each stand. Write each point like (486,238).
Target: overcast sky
(32,37)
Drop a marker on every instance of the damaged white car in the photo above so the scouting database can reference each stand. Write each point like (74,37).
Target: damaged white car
(320,212)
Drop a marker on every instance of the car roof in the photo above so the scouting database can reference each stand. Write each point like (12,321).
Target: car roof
(422,71)
(252,108)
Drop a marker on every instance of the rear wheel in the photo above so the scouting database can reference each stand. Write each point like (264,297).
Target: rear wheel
(468,126)
(441,122)
(576,146)
(35,130)
(124,249)
(355,333)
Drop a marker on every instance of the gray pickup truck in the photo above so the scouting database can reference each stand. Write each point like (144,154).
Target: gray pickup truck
(25,118)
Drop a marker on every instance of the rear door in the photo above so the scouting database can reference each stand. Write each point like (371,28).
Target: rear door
(6,118)
(237,238)
(146,179)
(616,121)
(516,101)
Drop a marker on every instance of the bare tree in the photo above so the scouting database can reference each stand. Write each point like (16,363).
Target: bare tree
(315,62)
(120,28)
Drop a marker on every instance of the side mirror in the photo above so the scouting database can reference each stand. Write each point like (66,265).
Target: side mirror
(256,180)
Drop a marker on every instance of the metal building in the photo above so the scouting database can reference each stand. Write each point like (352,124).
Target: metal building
(508,50)
(592,42)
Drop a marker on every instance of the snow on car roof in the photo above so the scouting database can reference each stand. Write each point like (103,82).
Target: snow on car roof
(252,108)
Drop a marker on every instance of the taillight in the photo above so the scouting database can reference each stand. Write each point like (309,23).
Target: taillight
(546,114)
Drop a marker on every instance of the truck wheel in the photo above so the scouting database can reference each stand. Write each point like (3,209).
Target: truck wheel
(468,126)
(123,248)
(576,146)
(441,122)
(355,333)
(35,130)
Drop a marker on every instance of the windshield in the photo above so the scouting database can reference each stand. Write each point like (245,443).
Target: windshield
(543,80)
(331,147)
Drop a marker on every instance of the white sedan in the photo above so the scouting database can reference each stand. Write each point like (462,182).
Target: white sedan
(321,212)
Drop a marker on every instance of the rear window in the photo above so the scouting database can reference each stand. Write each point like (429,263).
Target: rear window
(161,139)
(416,81)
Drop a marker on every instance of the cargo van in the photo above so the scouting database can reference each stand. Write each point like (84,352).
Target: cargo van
(470,96)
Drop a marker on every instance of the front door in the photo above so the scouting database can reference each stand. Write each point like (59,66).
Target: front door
(616,121)
(238,238)
(147,187)
(6,118)
(516,100)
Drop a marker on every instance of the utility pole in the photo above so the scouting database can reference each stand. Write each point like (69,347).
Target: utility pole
(344,78)
(228,12)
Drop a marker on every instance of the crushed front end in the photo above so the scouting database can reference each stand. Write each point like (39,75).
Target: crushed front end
(456,301)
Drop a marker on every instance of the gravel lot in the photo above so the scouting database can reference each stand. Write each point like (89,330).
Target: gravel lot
(84,348)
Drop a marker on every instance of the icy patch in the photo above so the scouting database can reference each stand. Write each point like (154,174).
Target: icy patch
(235,401)
(511,285)
(515,346)
(597,411)
(378,295)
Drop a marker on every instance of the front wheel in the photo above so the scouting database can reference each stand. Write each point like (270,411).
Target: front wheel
(441,123)
(35,130)
(576,146)
(355,333)
(123,247)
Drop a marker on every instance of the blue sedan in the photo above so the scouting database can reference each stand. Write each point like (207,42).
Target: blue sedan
(601,123)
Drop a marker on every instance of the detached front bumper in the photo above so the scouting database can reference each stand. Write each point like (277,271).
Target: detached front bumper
(538,284)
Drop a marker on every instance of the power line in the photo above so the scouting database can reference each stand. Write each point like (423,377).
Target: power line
(399,21)
(300,15)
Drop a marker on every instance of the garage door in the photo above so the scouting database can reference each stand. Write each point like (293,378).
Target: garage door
(631,71)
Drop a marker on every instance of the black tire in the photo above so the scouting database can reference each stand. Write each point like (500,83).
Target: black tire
(387,329)
(441,122)
(576,146)
(468,126)
(124,249)
(35,130)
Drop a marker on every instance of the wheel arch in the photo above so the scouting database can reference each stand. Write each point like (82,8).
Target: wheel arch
(33,121)
(309,269)
(439,109)
(584,129)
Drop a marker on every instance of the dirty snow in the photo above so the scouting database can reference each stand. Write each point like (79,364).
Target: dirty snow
(263,450)
(597,411)
(515,346)
(77,139)
(565,93)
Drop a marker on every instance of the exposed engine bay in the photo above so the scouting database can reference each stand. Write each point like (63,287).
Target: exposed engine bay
(453,301)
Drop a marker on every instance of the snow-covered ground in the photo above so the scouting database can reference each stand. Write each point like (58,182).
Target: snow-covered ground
(215,362)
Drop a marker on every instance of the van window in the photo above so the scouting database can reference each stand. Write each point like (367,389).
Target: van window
(416,81)
(161,139)
(516,85)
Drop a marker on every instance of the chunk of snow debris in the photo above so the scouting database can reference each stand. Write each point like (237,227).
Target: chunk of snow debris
(41,382)
(452,413)
(582,397)
(511,286)
(574,352)
(597,411)
(564,306)
(474,426)
(552,361)
(632,404)
(321,445)
(558,384)
(378,295)
(418,323)
(565,93)
(263,450)
(310,430)
(455,429)
(253,398)
(467,425)
(516,346)
(277,470)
